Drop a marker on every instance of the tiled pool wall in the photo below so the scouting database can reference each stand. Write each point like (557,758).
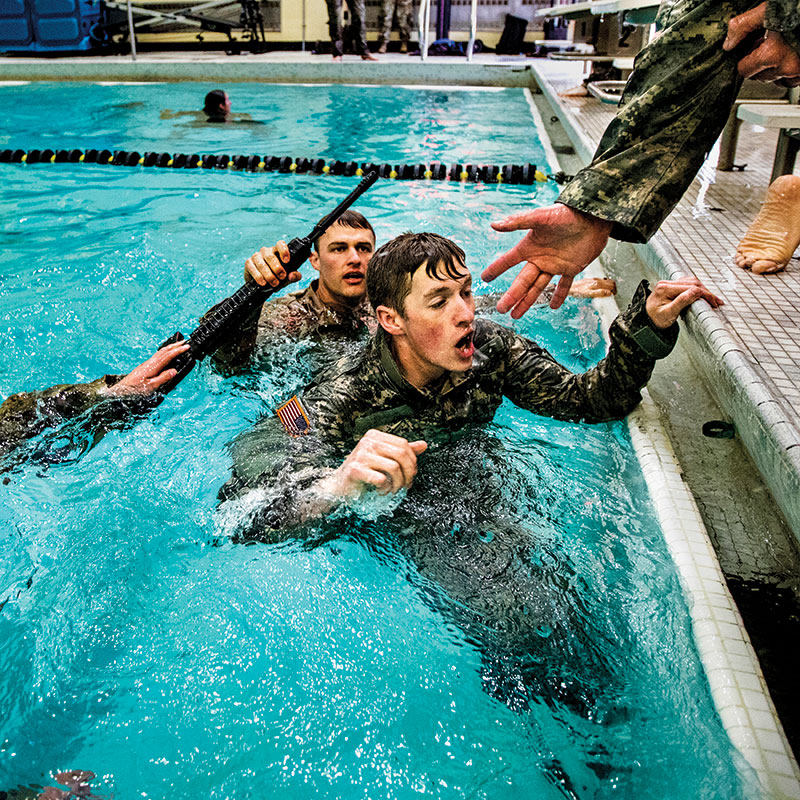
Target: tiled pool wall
(735,677)
(737,683)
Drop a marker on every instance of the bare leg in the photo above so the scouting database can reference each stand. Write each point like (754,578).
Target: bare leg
(775,232)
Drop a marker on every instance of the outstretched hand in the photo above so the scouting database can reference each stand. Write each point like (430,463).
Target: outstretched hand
(669,298)
(265,267)
(559,241)
(770,58)
(150,375)
(380,460)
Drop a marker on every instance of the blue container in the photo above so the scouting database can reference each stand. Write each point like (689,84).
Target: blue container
(47,25)
(16,31)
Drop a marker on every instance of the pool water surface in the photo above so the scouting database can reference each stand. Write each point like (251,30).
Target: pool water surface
(142,643)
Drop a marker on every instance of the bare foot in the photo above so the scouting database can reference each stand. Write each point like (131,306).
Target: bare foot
(576,91)
(775,233)
(337,58)
(368,56)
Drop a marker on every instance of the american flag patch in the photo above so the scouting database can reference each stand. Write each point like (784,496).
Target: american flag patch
(293,417)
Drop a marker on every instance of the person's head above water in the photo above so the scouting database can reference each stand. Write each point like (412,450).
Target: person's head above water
(217,105)
(421,291)
(341,256)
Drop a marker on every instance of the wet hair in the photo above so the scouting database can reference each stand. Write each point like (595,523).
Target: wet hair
(350,219)
(213,103)
(392,268)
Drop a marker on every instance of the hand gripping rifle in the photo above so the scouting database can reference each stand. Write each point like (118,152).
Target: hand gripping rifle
(216,327)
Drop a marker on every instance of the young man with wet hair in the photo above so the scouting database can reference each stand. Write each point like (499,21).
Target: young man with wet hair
(433,367)
(335,304)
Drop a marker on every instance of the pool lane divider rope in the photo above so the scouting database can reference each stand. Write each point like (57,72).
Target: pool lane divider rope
(525,174)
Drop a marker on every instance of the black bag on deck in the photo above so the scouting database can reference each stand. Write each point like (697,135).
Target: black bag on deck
(511,42)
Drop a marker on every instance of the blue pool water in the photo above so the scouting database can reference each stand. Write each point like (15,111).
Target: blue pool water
(140,643)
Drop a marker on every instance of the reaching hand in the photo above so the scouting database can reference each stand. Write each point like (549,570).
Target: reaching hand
(382,460)
(265,266)
(149,375)
(669,298)
(560,241)
(771,58)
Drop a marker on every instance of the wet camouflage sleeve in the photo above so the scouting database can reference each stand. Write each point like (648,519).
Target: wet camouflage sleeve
(270,491)
(608,391)
(275,317)
(674,107)
(25,415)
(784,16)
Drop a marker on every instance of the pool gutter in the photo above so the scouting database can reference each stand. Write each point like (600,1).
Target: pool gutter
(311,70)
(734,674)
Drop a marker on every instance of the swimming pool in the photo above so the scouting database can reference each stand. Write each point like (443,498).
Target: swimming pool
(143,645)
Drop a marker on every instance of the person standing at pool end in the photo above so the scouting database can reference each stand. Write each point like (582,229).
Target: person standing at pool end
(358,27)
(432,366)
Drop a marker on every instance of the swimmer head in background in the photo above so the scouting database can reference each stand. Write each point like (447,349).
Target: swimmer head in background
(217,106)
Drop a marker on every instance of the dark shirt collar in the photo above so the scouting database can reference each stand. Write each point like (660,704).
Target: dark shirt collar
(382,353)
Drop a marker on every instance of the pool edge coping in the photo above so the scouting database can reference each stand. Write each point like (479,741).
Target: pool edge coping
(232,69)
(738,688)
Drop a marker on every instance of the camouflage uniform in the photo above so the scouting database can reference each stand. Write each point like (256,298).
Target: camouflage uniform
(674,108)
(25,415)
(388,9)
(481,569)
(370,392)
(299,315)
(358,25)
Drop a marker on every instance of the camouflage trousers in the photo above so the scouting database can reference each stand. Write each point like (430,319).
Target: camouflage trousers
(674,108)
(358,25)
(402,10)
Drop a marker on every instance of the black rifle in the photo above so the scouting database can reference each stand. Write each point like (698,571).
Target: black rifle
(220,324)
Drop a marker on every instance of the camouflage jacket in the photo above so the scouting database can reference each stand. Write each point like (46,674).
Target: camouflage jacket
(299,315)
(370,392)
(674,107)
(27,414)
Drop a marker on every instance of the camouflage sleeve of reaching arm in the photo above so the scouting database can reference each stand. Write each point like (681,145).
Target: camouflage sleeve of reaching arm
(674,107)
(536,381)
(25,415)
(784,16)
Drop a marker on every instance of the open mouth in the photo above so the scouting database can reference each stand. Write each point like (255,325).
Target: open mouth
(465,345)
(353,277)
